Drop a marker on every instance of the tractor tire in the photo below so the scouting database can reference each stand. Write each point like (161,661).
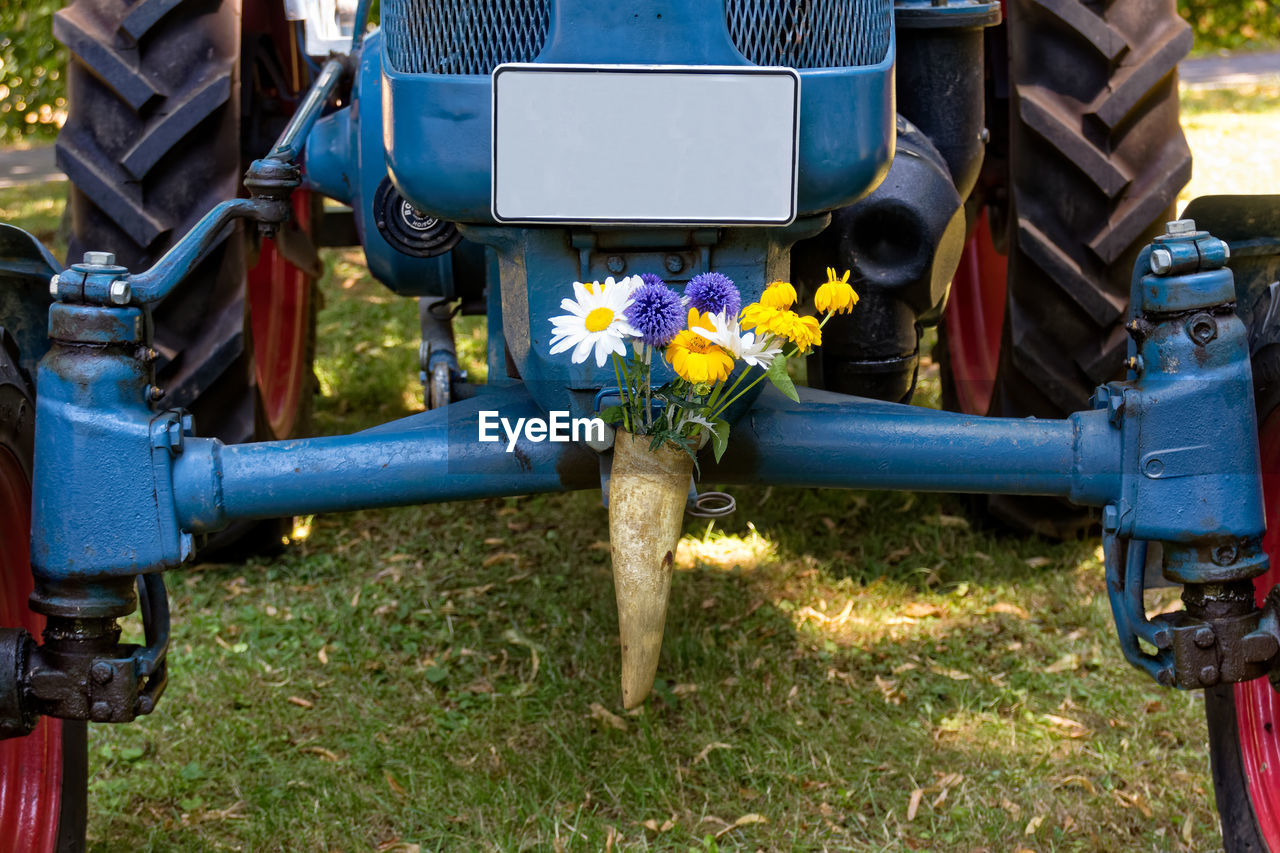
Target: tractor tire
(1244,719)
(153,140)
(43,776)
(1090,169)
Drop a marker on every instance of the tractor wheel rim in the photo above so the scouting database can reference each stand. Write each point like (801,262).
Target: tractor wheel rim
(1257,702)
(280,317)
(974,317)
(30,767)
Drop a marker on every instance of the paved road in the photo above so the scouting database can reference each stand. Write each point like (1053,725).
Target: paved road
(36,165)
(29,166)
(1222,71)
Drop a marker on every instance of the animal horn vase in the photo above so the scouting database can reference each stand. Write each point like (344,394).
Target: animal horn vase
(648,490)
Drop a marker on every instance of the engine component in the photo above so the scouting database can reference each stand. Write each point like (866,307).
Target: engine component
(408,229)
(903,243)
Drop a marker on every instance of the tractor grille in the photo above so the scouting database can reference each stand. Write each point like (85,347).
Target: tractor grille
(811,33)
(463,36)
(474,36)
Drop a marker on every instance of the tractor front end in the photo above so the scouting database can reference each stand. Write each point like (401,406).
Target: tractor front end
(494,153)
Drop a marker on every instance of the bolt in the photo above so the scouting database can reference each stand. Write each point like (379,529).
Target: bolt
(1224,555)
(1161,261)
(1226,251)
(1180,226)
(1259,647)
(616,264)
(1134,363)
(1162,638)
(1204,637)
(100,712)
(1154,467)
(53,287)
(145,705)
(1209,675)
(674,263)
(1201,329)
(1165,677)
(985,136)
(100,259)
(154,392)
(102,672)
(121,292)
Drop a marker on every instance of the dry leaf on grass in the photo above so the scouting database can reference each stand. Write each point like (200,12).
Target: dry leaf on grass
(1033,825)
(706,750)
(1010,609)
(494,559)
(1037,562)
(326,754)
(922,609)
(300,702)
(393,784)
(604,715)
(745,820)
(913,805)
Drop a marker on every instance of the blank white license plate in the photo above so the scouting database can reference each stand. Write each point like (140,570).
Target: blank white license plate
(637,144)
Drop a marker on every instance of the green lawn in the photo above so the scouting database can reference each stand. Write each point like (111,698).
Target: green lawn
(866,671)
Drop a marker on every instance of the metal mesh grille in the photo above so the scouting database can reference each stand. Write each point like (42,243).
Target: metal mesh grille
(474,36)
(811,33)
(463,36)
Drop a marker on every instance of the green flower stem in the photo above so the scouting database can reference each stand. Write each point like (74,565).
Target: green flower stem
(622,389)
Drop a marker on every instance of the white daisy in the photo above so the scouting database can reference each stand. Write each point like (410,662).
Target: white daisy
(595,321)
(755,351)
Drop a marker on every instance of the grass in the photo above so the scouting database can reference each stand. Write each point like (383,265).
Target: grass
(858,671)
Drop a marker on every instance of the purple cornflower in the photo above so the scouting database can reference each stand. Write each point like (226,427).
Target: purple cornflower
(651,278)
(655,312)
(711,293)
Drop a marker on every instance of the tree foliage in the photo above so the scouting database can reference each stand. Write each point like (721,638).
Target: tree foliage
(1229,24)
(32,87)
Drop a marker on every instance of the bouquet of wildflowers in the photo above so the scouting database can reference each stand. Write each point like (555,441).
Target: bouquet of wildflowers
(703,334)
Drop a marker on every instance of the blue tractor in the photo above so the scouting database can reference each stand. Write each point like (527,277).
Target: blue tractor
(1004,171)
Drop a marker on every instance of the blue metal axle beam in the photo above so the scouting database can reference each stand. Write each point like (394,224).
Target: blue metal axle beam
(828,440)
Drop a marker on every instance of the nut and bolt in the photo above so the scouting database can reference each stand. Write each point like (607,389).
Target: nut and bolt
(1224,555)
(1162,638)
(1259,647)
(100,712)
(145,705)
(1209,675)
(616,264)
(1134,363)
(674,263)
(53,287)
(100,259)
(1180,226)
(154,392)
(1166,677)
(1161,261)
(102,672)
(1204,637)
(120,292)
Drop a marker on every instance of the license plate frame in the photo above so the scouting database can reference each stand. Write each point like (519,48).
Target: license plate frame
(638,144)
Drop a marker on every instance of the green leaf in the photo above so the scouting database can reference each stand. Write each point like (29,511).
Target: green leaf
(719,438)
(436,674)
(777,374)
(611,414)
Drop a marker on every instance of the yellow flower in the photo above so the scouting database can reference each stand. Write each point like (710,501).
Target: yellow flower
(780,295)
(697,360)
(804,332)
(836,295)
(755,315)
(699,319)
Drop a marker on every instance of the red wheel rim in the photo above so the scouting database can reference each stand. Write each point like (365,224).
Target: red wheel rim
(30,767)
(975,315)
(1257,703)
(280,316)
